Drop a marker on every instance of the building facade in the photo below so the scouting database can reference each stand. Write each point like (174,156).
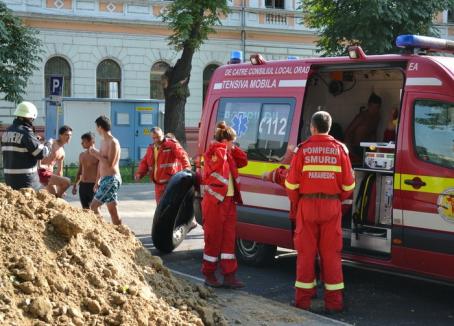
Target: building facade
(118,48)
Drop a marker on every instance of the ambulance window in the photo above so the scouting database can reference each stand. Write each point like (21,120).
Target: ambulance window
(434,132)
(262,125)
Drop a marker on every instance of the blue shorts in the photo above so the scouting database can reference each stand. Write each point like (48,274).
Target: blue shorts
(108,189)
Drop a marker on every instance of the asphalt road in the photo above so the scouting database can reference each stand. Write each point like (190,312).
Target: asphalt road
(372,298)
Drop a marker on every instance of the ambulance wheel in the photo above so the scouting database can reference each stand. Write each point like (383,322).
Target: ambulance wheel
(198,207)
(254,253)
(173,216)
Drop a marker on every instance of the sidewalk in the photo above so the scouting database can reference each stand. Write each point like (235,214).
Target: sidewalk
(136,208)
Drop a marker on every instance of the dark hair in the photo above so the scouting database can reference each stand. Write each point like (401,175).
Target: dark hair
(104,123)
(64,129)
(321,121)
(375,99)
(223,131)
(88,136)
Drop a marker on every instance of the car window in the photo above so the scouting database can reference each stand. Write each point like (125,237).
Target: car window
(262,125)
(434,132)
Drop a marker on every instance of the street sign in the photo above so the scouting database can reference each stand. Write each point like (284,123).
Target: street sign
(56,92)
(56,89)
(56,85)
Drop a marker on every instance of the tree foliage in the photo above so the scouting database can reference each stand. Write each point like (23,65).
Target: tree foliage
(373,24)
(20,51)
(191,22)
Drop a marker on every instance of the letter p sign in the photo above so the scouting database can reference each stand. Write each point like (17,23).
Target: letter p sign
(56,85)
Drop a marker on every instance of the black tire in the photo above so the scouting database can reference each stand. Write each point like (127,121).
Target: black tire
(254,253)
(198,207)
(175,212)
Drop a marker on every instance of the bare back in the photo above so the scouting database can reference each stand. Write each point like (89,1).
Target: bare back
(110,150)
(89,166)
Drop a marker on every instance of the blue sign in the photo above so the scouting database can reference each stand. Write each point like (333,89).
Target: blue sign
(56,85)
(240,124)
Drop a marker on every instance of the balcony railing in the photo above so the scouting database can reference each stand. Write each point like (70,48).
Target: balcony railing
(276,19)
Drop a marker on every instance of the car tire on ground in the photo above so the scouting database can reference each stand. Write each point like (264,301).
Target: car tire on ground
(174,213)
(254,253)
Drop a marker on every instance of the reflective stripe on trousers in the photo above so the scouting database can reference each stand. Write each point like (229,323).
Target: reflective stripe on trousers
(302,285)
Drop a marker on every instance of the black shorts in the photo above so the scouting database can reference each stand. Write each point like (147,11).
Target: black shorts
(86,193)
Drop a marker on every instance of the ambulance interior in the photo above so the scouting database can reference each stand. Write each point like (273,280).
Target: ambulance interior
(344,92)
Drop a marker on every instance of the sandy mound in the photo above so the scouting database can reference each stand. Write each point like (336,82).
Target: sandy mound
(61,265)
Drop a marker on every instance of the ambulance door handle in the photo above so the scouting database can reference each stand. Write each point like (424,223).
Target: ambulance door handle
(415,182)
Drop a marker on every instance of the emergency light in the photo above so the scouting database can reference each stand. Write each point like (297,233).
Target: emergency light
(424,42)
(236,57)
(292,57)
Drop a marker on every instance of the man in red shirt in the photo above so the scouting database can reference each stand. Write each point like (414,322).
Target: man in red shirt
(163,159)
(320,177)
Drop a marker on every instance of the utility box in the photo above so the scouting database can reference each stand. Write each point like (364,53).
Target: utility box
(131,121)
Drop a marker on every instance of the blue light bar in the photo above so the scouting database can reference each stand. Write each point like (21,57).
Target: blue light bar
(292,57)
(424,42)
(236,56)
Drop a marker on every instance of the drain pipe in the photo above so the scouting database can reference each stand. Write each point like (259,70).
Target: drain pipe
(243,25)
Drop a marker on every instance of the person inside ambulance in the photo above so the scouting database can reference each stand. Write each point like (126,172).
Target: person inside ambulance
(163,159)
(220,182)
(363,127)
(319,178)
(22,149)
(391,128)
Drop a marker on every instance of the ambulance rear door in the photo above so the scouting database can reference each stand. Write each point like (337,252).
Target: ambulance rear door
(424,184)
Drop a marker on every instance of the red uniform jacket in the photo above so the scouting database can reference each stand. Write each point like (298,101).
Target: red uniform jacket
(219,163)
(321,165)
(172,158)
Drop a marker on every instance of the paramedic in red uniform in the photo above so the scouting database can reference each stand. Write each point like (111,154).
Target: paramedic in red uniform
(163,159)
(320,177)
(221,194)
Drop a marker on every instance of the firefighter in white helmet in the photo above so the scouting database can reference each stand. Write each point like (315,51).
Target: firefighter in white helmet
(22,149)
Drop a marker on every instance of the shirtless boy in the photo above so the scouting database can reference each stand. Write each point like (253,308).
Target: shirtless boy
(87,172)
(56,183)
(109,179)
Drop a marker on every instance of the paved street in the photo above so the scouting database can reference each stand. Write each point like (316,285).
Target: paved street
(372,298)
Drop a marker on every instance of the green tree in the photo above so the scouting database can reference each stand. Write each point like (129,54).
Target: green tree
(373,24)
(20,51)
(191,22)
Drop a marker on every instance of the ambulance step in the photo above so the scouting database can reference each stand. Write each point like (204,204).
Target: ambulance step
(372,238)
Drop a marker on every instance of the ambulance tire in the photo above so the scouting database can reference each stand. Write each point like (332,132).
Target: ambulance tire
(198,208)
(254,253)
(175,211)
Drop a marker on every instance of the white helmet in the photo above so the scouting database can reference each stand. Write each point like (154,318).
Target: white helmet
(26,110)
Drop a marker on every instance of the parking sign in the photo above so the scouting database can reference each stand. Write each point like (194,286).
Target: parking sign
(56,88)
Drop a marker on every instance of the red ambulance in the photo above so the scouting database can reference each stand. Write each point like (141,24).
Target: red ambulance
(403,204)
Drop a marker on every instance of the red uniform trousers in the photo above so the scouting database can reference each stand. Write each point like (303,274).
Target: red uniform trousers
(319,231)
(219,223)
(159,191)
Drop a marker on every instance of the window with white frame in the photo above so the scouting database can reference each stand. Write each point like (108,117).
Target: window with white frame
(108,79)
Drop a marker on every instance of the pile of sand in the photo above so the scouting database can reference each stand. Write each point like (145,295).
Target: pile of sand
(61,265)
